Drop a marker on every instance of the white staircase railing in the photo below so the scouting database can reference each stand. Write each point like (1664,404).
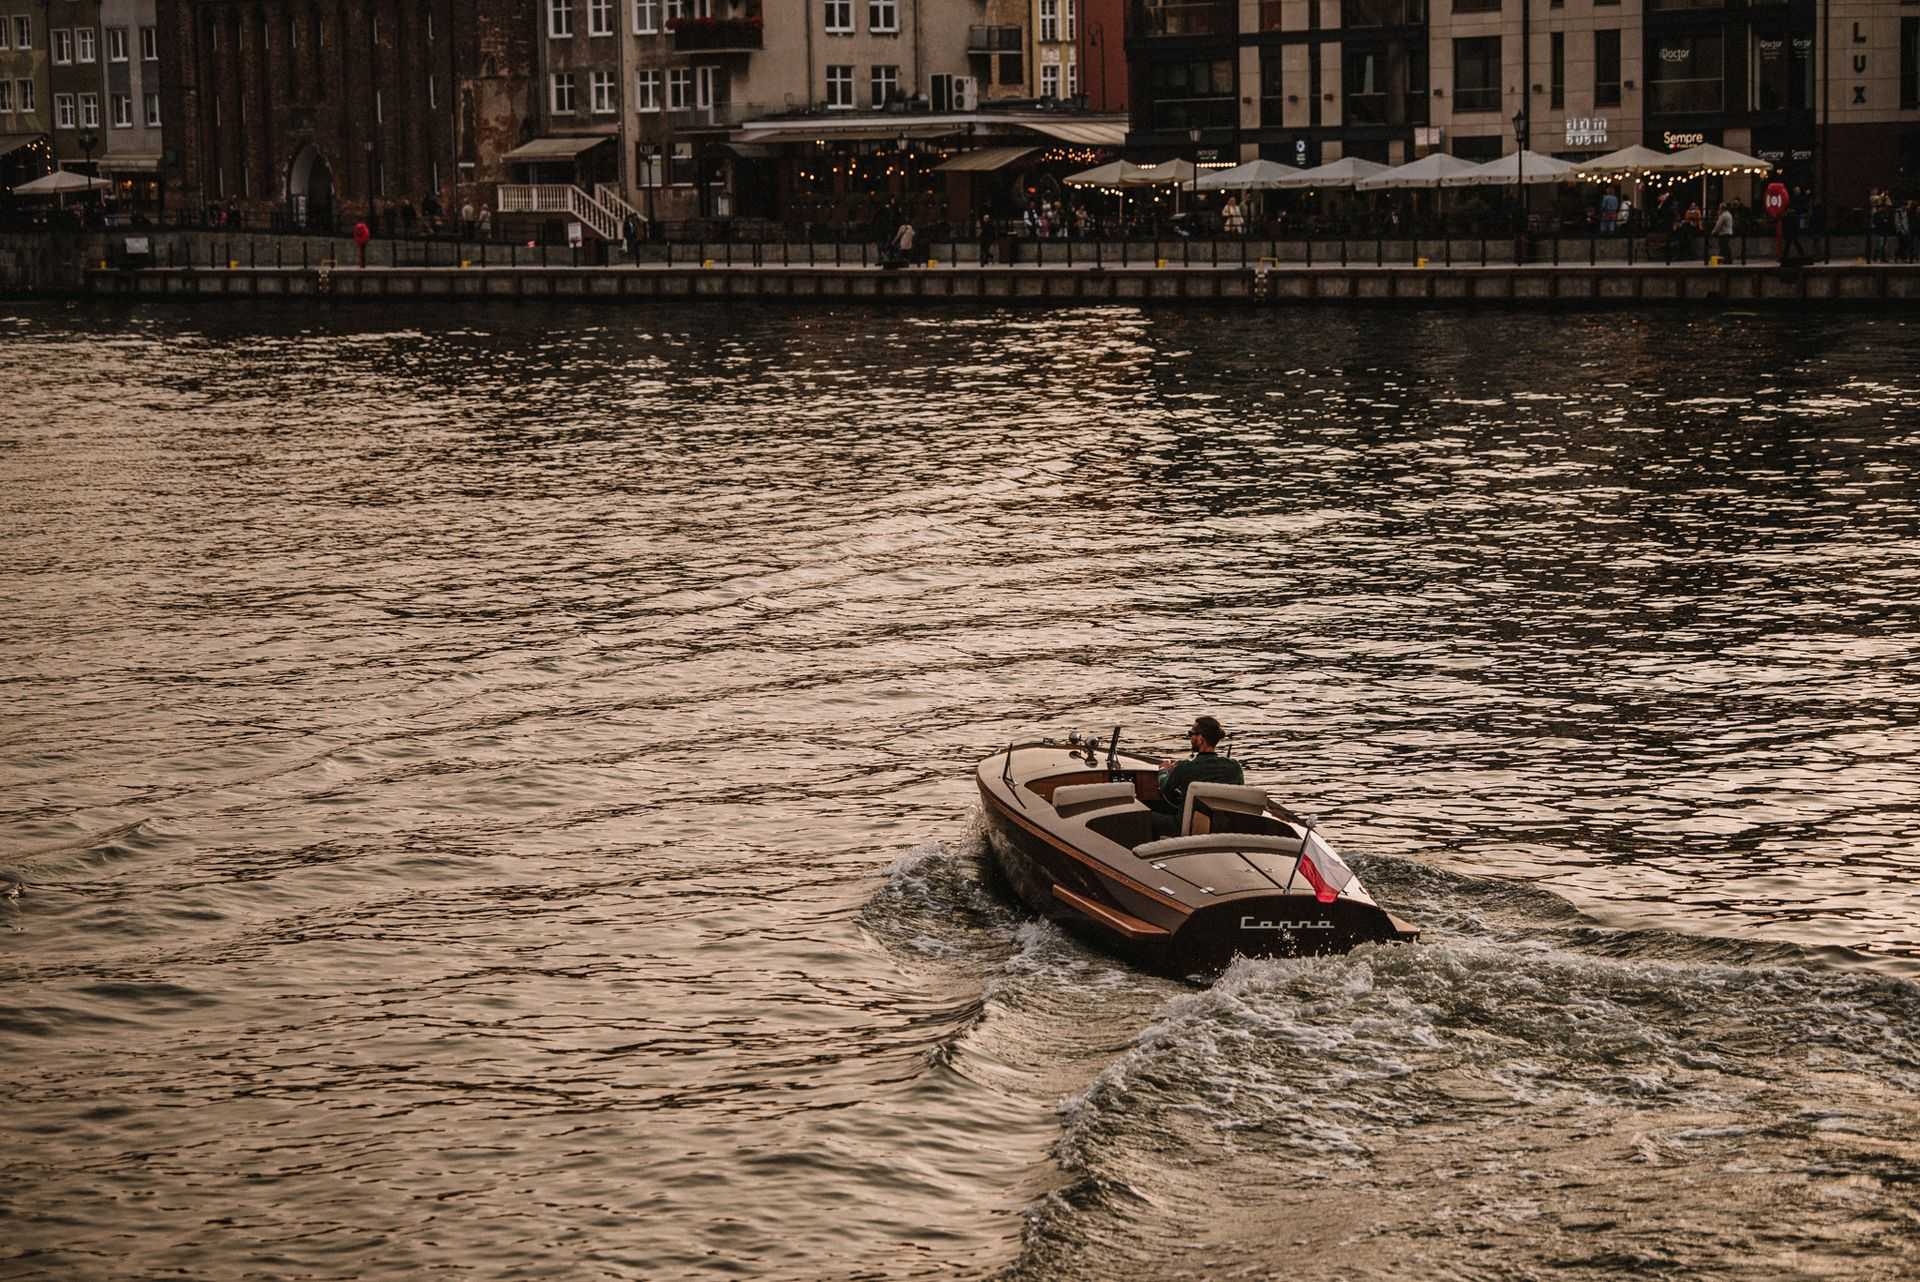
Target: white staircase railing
(557,198)
(612,199)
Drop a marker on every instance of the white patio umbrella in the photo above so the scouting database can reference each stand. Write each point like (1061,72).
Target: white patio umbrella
(1255,175)
(1124,174)
(1428,171)
(62,182)
(1344,172)
(1508,170)
(1709,159)
(1629,161)
(1722,160)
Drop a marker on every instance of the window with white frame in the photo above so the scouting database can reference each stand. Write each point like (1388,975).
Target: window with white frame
(23,33)
(680,171)
(89,111)
(647,169)
(883,16)
(604,101)
(6,97)
(676,9)
(679,88)
(599,17)
(86,45)
(63,111)
(1073,19)
(840,88)
(1049,21)
(560,19)
(6,34)
(1073,80)
(23,95)
(63,46)
(885,82)
(116,44)
(646,17)
(122,110)
(153,110)
(646,89)
(1050,80)
(709,88)
(149,44)
(560,93)
(839,17)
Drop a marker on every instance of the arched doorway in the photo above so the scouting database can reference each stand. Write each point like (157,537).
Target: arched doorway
(310,189)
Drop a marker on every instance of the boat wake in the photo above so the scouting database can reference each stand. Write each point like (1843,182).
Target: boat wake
(1524,1086)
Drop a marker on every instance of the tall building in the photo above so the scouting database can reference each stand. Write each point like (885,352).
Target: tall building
(135,129)
(316,112)
(26,95)
(644,97)
(1308,81)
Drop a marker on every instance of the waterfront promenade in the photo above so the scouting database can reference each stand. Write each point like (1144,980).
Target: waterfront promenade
(185,267)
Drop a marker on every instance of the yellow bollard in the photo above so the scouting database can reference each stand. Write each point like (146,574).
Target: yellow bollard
(233,264)
(103,264)
(706,262)
(1159,263)
(1419,262)
(1713,260)
(933,262)
(465,263)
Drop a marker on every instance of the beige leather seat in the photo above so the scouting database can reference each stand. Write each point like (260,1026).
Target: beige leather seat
(1241,799)
(1078,798)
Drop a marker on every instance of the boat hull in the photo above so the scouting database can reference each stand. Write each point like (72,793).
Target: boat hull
(1125,916)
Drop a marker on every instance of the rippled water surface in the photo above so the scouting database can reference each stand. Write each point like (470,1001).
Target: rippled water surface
(486,793)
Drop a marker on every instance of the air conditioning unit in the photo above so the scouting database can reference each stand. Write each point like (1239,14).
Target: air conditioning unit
(966,93)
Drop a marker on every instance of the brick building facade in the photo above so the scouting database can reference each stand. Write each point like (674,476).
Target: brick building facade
(318,112)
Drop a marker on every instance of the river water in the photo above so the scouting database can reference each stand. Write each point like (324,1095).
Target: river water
(485,793)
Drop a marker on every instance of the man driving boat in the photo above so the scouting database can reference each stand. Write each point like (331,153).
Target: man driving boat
(1204,766)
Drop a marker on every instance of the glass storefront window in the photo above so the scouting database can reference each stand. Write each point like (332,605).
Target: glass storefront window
(1687,74)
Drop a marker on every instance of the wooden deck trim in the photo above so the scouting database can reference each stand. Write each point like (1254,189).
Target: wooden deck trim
(1130,926)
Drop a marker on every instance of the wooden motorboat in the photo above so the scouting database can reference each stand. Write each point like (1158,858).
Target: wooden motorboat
(1238,874)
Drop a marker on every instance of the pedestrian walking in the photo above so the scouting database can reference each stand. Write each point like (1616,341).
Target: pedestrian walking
(1723,232)
(986,239)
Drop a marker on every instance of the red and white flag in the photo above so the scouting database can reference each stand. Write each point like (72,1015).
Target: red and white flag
(1327,872)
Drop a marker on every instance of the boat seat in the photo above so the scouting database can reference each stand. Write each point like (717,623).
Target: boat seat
(1167,846)
(1079,798)
(1219,796)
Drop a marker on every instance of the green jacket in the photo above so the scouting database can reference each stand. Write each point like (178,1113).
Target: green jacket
(1202,767)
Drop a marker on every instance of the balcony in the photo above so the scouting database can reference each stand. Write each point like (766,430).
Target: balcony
(1157,18)
(718,115)
(716,35)
(986,41)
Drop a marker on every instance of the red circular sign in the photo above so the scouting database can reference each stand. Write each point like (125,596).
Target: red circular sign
(362,233)
(1776,199)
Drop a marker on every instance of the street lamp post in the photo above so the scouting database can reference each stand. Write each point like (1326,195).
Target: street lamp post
(1520,185)
(88,141)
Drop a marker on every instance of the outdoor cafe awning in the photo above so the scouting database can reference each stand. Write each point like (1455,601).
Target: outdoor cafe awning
(984,160)
(552,149)
(1082,133)
(130,164)
(10,143)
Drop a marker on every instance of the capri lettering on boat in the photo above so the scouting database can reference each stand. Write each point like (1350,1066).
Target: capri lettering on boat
(1249,923)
